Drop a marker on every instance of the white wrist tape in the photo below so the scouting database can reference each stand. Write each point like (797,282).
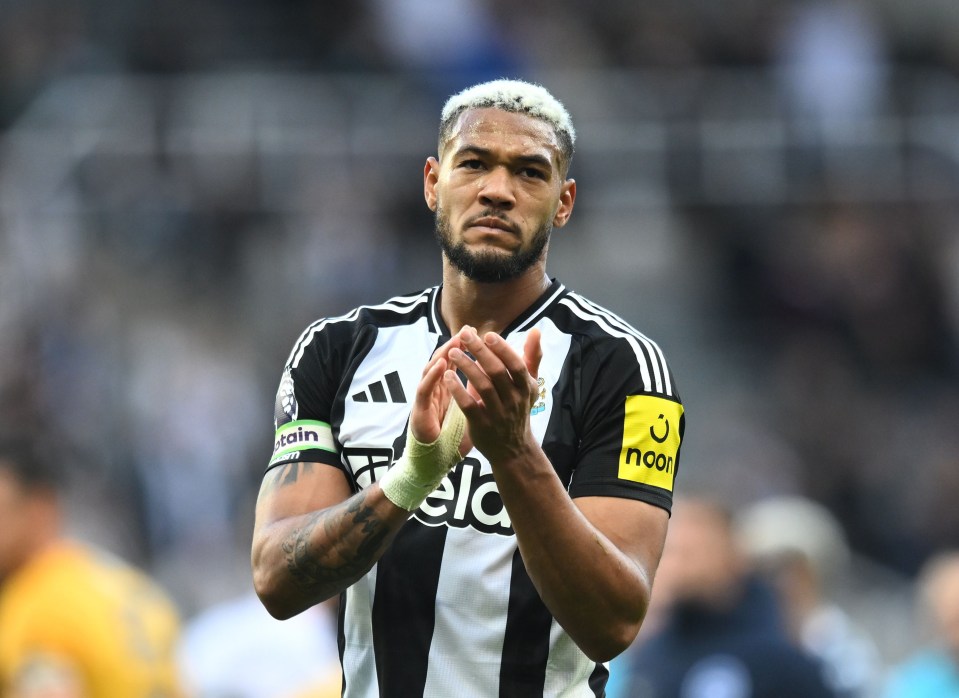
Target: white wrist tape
(422,467)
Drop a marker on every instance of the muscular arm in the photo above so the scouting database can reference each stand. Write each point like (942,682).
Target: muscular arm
(593,560)
(311,539)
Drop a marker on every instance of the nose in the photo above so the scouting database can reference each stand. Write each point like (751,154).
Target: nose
(496,189)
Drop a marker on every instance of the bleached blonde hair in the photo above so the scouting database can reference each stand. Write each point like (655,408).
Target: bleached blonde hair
(519,97)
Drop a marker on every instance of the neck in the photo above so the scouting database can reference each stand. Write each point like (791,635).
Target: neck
(488,307)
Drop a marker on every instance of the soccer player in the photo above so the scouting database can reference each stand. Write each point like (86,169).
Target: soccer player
(75,622)
(484,469)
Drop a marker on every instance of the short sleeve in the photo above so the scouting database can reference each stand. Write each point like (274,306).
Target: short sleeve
(305,398)
(633,423)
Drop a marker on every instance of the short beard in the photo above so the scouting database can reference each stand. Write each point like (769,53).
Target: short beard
(489,267)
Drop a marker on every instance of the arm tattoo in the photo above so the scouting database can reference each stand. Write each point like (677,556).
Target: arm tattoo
(345,562)
(284,475)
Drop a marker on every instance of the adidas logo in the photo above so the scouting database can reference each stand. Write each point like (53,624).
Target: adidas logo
(376,392)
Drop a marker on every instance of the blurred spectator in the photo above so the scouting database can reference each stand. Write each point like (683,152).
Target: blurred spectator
(464,45)
(235,649)
(716,629)
(831,63)
(933,672)
(182,374)
(867,276)
(801,548)
(74,621)
(832,58)
(180,378)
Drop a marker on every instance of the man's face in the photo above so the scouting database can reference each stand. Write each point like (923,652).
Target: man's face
(497,192)
(701,563)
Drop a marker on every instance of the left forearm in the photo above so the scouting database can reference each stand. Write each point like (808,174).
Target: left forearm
(596,587)
(593,589)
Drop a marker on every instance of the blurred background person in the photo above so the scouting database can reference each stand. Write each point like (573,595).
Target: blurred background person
(717,629)
(933,670)
(235,649)
(799,547)
(831,58)
(75,622)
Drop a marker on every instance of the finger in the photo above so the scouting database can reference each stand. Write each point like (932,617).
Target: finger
(533,352)
(429,382)
(442,352)
(490,363)
(511,360)
(425,417)
(467,403)
(452,386)
(479,382)
(523,378)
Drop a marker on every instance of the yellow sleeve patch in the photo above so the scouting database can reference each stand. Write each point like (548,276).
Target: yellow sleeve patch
(650,441)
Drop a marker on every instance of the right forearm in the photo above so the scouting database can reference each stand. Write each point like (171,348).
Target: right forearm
(303,560)
(312,539)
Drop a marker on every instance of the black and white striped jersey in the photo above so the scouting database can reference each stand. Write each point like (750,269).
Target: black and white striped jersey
(449,610)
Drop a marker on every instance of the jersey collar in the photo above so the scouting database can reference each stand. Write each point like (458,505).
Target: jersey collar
(523,321)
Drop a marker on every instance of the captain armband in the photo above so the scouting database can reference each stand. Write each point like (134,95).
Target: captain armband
(301,435)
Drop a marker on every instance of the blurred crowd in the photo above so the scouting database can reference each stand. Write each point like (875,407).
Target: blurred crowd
(769,189)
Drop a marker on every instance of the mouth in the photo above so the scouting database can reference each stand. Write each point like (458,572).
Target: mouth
(493,223)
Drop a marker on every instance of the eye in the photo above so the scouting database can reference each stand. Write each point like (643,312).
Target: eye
(533,173)
(471,164)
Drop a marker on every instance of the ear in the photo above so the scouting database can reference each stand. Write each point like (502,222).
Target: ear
(567,197)
(431,174)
